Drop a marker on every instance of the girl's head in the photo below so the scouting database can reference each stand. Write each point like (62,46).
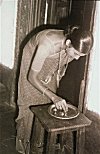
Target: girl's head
(80,41)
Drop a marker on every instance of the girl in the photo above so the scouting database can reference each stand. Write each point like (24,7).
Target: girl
(44,62)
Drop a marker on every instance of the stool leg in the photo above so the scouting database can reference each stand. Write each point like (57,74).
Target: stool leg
(51,143)
(66,142)
(38,137)
(80,141)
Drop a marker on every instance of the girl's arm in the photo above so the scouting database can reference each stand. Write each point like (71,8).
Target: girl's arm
(58,101)
(42,52)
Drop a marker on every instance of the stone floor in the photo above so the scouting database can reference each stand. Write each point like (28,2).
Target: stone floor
(8,132)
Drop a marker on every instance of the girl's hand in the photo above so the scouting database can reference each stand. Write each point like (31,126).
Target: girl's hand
(60,103)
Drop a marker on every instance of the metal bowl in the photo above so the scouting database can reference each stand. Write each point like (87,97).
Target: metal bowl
(72,112)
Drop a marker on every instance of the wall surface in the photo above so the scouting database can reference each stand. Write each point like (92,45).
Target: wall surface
(94,84)
(7,31)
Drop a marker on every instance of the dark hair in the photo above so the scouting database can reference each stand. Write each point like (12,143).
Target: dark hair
(81,40)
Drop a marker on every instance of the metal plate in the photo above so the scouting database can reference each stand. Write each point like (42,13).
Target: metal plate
(60,114)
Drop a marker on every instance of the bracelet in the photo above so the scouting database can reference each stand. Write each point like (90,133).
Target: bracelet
(44,91)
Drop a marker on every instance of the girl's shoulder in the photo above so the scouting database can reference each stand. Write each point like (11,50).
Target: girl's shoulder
(53,35)
(49,38)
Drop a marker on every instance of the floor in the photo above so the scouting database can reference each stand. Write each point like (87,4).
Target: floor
(8,131)
(7,125)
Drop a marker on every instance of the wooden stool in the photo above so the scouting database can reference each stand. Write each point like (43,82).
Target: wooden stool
(57,132)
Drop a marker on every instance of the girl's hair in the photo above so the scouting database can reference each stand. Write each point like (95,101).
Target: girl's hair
(81,40)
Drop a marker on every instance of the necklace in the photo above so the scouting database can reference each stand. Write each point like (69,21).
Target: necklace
(59,74)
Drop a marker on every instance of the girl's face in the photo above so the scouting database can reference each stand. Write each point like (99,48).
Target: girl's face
(73,53)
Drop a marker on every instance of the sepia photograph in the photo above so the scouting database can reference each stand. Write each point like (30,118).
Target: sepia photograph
(49,77)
